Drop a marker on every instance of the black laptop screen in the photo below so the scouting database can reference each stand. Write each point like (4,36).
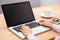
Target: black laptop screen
(17,13)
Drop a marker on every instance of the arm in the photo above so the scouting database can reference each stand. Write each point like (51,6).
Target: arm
(57,38)
(53,26)
(31,37)
(56,28)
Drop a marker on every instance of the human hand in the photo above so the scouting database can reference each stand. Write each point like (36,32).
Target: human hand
(26,30)
(46,23)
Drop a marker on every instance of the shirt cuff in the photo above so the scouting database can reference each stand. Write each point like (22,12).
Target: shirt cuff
(57,38)
(56,28)
(31,37)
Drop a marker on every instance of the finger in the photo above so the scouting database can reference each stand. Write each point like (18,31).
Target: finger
(22,27)
(21,30)
(25,27)
(41,21)
(28,27)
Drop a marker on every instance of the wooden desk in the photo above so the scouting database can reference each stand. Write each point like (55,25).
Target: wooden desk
(5,34)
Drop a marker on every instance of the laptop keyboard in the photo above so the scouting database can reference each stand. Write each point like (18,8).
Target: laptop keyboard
(31,25)
(36,28)
(17,29)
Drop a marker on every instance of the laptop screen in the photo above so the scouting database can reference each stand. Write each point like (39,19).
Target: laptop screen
(17,13)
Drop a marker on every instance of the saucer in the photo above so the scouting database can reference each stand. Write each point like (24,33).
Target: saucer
(46,16)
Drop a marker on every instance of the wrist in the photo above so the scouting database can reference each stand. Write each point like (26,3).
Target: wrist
(50,25)
(28,34)
(32,37)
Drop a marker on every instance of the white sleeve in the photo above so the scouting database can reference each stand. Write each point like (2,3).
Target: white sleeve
(31,37)
(56,28)
(57,38)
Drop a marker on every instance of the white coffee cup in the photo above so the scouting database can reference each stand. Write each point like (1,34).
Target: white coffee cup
(47,12)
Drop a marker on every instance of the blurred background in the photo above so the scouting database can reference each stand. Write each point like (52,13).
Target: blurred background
(34,3)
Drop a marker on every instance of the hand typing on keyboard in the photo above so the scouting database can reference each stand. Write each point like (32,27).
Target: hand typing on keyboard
(46,23)
(29,33)
(26,30)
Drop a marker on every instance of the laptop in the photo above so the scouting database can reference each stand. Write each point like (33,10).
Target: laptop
(17,14)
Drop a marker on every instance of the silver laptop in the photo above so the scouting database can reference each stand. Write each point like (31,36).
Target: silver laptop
(17,14)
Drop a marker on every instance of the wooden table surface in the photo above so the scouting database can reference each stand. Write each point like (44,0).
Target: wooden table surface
(5,34)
